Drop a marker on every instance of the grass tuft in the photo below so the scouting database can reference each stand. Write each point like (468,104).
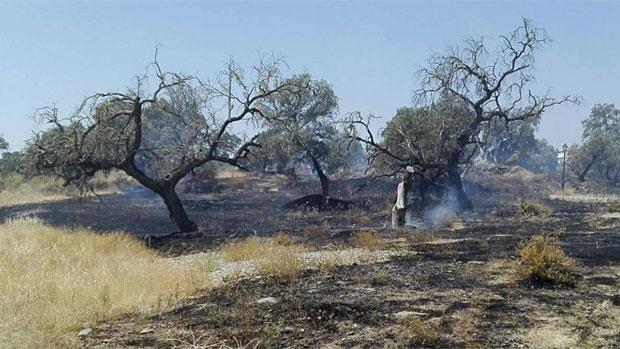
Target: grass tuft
(416,332)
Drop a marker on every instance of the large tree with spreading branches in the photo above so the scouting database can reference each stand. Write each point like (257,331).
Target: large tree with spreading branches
(493,85)
(161,129)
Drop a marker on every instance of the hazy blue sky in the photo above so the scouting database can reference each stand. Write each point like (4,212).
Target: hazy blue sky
(60,52)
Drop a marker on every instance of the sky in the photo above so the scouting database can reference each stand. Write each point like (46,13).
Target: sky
(60,52)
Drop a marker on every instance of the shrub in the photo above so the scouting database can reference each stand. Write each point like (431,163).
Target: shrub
(542,260)
(54,282)
(533,209)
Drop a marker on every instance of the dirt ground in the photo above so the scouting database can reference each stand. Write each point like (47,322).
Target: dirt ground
(461,288)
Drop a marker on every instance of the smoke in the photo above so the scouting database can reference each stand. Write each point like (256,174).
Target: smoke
(443,214)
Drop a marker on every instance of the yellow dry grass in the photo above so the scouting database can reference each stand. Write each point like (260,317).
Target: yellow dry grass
(369,240)
(54,282)
(271,257)
(16,190)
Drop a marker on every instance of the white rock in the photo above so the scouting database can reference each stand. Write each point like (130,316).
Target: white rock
(147,330)
(85,332)
(405,314)
(268,300)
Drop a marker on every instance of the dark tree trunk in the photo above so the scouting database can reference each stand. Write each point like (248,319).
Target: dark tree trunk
(456,184)
(176,210)
(324,184)
(584,173)
(322,176)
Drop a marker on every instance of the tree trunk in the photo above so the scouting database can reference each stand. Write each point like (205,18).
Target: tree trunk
(399,210)
(584,173)
(456,183)
(324,184)
(176,210)
(322,176)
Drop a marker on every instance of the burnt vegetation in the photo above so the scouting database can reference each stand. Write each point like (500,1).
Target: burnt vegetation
(282,221)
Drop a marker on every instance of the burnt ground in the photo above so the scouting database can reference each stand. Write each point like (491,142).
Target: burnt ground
(464,287)
(239,205)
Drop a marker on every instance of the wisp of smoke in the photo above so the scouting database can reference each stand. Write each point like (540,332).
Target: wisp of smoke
(443,214)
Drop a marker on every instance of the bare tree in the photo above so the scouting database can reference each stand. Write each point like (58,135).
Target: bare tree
(158,137)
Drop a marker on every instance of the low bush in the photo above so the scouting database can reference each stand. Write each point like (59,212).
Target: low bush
(542,260)
(284,239)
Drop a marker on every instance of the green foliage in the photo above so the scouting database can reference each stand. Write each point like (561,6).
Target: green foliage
(302,129)
(515,144)
(599,154)
(4,145)
(427,134)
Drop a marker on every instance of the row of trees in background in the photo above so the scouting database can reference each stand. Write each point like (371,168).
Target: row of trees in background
(598,157)
(473,103)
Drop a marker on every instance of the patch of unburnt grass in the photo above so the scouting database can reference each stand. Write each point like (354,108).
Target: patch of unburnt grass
(318,231)
(55,282)
(415,331)
(276,257)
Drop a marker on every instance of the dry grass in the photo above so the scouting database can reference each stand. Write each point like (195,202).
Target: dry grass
(416,332)
(419,237)
(542,260)
(284,239)
(533,209)
(369,240)
(317,231)
(54,283)
(15,189)
(272,258)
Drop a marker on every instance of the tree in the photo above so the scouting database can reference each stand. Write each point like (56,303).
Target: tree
(515,144)
(494,86)
(158,137)
(600,149)
(417,142)
(302,123)
(491,85)
(4,145)
(275,153)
